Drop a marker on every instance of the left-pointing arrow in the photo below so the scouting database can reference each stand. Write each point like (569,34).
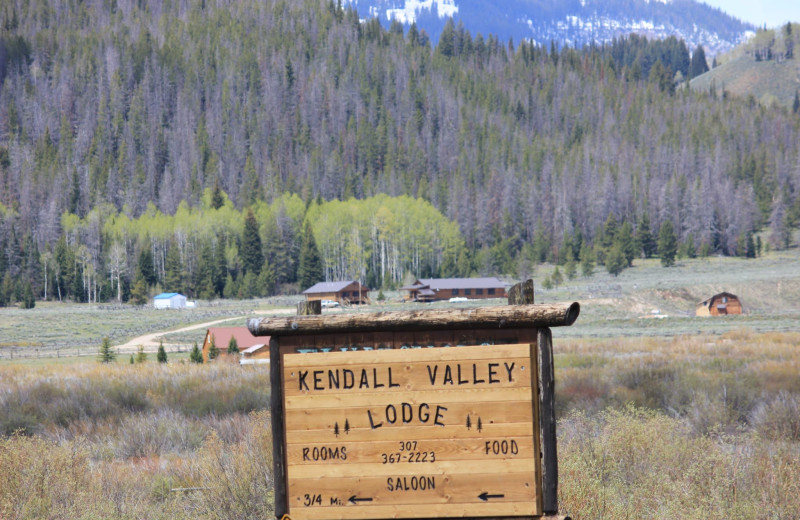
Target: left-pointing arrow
(486,496)
(355,500)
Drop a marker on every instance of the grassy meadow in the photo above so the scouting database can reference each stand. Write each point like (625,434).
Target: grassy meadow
(661,414)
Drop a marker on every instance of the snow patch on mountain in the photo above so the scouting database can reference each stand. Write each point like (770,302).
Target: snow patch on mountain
(408,13)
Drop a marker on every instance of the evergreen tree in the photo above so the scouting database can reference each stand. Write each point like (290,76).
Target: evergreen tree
(627,243)
(173,271)
(139,292)
(570,266)
(667,244)
(698,65)
(145,267)
(615,259)
(107,354)
(557,277)
(141,355)
(587,260)
(309,268)
(213,351)
(28,300)
(217,198)
(266,279)
(233,346)
(250,251)
(196,356)
(161,356)
(647,244)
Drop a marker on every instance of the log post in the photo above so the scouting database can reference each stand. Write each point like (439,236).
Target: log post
(523,294)
(309,308)
(278,431)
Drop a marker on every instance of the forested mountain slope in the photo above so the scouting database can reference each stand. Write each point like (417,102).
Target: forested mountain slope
(766,67)
(570,22)
(119,104)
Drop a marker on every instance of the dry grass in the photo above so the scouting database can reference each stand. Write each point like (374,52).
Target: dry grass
(685,427)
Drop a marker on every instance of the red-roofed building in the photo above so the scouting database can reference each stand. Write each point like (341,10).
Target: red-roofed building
(244,341)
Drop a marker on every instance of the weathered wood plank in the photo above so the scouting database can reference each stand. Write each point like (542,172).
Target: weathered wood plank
(399,433)
(547,418)
(412,511)
(498,317)
(423,451)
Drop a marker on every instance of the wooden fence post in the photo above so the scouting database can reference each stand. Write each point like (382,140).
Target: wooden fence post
(307,308)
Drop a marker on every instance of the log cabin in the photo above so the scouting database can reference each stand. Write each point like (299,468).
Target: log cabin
(436,289)
(343,292)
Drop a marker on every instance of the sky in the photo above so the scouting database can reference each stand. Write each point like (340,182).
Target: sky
(759,12)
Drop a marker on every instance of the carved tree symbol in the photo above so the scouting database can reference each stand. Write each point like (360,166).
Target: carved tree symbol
(336,429)
(346,426)
(480,424)
(469,422)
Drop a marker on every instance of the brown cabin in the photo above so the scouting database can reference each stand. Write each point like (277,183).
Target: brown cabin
(435,289)
(244,341)
(342,292)
(720,304)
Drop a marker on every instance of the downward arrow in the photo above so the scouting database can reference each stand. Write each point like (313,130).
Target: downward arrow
(354,500)
(486,496)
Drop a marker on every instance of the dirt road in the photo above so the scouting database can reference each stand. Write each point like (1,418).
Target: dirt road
(151,341)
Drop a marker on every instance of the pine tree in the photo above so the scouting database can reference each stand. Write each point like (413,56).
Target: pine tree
(615,259)
(698,65)
(309,269)
(250,251)
(162,354)
(213,351)
(28,300)
(141,355)
(647,244)
(667,244)
(196,356)
(587,260)
(627,243)
(107,354)
(233,346)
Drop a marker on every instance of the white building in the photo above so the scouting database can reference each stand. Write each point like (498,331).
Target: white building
(169,301)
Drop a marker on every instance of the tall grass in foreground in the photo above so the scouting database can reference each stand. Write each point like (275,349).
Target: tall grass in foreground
(634,463)
(683,428)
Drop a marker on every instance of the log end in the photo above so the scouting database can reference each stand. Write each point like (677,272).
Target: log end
(253,326)
(573,312)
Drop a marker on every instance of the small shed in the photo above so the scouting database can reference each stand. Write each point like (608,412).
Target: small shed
(343,292)
(721,304)
(169,300)
(221,336)
(256,355)
(432,289)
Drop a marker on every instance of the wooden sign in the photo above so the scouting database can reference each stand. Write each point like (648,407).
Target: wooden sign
(416,433)
(416,414)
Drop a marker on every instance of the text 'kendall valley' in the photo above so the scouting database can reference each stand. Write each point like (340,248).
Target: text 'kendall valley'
(374,378)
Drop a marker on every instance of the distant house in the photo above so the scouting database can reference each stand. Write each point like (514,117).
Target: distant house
(342,292)
(432,289)
(169,300)
(244,341)
(720,304)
